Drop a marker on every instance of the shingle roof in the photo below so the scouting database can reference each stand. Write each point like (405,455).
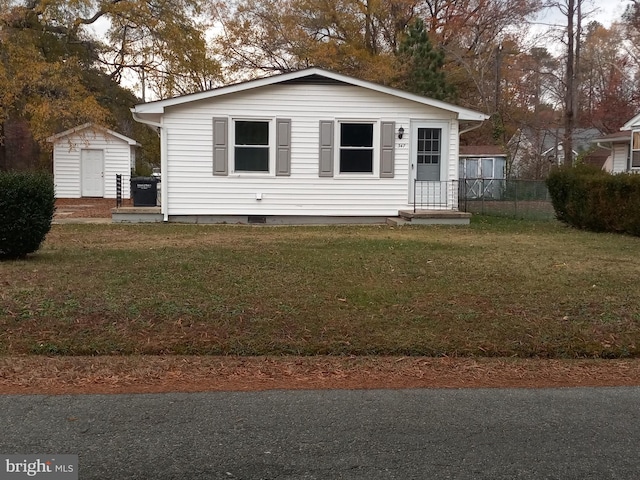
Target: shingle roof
(482,150)
(612,137)
(548,139)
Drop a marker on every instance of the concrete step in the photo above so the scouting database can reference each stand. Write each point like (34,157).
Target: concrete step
(435,217)
(397,221)
(136,215)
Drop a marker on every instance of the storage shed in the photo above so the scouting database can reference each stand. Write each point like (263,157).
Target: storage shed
(86,160)
(482,171)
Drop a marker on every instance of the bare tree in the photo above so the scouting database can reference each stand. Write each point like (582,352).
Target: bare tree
(572,10)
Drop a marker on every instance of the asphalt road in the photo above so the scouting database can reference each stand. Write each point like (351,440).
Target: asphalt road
(588,433)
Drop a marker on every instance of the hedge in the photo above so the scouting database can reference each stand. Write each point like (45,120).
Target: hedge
(595,200)
(27,204)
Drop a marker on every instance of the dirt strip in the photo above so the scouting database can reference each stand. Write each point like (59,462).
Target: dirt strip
(153,374)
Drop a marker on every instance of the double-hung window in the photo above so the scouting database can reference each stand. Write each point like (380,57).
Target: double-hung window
(356,147)
(251,146)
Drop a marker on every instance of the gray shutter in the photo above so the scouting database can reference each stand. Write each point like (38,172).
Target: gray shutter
(283,147)
(326,148)
(387,149)
(220,146)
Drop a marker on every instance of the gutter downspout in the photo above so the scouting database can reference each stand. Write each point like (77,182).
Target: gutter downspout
(163,163)
(471,128)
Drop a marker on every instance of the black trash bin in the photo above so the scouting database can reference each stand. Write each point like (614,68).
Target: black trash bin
(144,191)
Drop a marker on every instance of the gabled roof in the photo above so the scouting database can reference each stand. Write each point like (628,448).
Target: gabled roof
(91,126)
(549,139)
(309,74)
(631,124)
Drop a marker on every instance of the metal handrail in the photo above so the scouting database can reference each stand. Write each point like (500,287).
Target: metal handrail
(442,195)
(118,190)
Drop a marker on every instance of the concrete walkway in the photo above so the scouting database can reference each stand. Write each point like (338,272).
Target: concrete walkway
(75,221)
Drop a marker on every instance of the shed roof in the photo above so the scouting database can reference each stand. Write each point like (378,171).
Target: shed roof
(482,151)
(314,75)
(92,126)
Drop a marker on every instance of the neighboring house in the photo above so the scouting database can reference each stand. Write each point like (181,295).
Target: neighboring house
(482,170)
(86,160)
(535,151)
(623,147)
(305,145)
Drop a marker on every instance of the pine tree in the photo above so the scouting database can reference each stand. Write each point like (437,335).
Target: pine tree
(423,65)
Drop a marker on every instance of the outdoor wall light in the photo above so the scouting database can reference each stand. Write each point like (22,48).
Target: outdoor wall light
(400,133)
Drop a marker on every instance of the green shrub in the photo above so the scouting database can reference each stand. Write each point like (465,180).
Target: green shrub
(589,198)
(27,203)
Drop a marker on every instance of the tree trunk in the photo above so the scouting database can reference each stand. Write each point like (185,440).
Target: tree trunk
(574,32)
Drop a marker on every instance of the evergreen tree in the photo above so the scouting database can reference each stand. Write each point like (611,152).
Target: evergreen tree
(422,65)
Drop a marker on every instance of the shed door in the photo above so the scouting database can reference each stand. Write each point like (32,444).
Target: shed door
(92,171)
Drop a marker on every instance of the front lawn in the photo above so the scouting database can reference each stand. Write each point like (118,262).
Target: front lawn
(499,288)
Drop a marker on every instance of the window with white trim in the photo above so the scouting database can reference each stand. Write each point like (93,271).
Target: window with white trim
(251,146)
(635,149)
(356,147)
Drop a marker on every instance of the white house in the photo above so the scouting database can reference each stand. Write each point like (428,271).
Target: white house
(624,147)
(305,145)
(86,160)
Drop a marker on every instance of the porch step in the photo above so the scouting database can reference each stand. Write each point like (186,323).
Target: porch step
(136,215)
(434,217)
(397,221)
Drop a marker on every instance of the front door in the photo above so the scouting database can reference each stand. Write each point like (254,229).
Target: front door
(428,156)
(428,153)
(92,168)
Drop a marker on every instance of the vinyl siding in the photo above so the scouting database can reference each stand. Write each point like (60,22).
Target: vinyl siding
(192,189)
(620,152)
(67,170)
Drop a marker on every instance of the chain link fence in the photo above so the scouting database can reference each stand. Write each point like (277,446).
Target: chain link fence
(523,199)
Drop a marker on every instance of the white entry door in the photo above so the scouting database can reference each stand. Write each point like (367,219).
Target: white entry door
(92,168)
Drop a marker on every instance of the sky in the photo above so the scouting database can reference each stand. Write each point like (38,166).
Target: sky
(606,11)
(603,11)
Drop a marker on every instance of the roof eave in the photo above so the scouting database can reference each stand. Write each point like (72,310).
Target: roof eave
(159,106)
(634,122)
(84,126)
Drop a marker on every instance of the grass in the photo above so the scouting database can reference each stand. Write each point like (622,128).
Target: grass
(500,288)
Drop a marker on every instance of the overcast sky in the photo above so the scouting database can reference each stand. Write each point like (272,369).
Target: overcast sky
(604,11)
